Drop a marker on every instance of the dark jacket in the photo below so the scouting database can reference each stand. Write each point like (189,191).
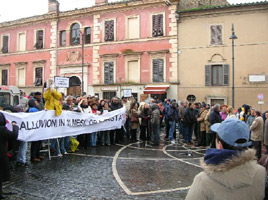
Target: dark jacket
(5,135)
(214,117)
(189,117)
(115,106)
(173,113)
(145,116)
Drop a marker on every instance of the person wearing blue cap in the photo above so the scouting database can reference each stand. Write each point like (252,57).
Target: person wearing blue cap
(230,170)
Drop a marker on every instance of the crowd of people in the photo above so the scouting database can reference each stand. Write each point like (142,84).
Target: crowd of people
(184,121)
(144,122)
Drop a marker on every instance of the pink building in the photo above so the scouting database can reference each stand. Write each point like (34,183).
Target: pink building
(126,45)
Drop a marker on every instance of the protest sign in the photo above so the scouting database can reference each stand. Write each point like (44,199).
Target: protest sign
(46,125)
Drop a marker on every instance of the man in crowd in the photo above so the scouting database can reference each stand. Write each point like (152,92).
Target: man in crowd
(188,122)
(230,170)
(115,105)
(214,118)
(257,133)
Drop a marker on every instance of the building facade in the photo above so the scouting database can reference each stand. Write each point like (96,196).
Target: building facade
(103,49)
(205,54)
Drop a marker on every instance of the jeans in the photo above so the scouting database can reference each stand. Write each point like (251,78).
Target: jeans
(93,139)
(67,143)
(181,129)
(188,133)
(54,145)
(21,157)
(156,133)
(172,125)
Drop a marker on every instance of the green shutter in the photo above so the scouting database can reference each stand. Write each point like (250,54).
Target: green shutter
(207,75)
(225,74)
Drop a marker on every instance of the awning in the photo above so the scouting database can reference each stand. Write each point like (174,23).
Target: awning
(156,89)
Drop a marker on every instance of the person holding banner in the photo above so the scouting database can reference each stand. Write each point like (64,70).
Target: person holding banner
(84,108)
(5,135)
(36,145)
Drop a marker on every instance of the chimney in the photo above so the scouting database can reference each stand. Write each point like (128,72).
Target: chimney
(100,2)
(53,6)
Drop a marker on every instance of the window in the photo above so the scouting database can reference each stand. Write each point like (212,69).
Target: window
(5,44)
(109,95)
(108,72)
(5,77)
(158,29)
(75,34)
(133,27)
(63,38)
(216,75)
(38,76)
(216,34)
(39,39)
(158,70)
(109,30)
(133,71)
(21,41)
(191,98)
(87,35)
(21,72)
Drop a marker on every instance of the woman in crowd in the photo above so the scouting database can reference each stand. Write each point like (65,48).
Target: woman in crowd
(134,121)
(105,135)
(230,112)
(201,120)
(84,108)
(36,145)
(145,123)
(93,136)
(155,122)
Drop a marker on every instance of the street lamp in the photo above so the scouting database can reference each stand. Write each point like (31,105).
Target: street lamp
(233,37)
(77,42)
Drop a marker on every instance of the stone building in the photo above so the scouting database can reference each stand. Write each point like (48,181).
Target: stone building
(205,54)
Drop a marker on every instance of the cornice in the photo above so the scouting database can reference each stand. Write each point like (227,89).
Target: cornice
(219,11)
(108,8)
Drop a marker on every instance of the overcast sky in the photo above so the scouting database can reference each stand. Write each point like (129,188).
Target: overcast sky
(16,9)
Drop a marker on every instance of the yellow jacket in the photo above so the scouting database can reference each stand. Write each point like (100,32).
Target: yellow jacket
(52,99)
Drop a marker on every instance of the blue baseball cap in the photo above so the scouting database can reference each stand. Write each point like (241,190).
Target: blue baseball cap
(231,130)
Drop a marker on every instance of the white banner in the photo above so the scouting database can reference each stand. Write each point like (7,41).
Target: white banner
(45,125)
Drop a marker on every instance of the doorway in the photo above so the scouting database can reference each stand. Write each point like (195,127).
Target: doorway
(75,86)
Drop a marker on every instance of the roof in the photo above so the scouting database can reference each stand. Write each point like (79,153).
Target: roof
(224,6)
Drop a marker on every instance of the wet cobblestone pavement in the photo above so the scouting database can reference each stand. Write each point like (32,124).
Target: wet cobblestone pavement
(122,171)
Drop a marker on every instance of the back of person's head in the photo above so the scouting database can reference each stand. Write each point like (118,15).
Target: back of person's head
(258,113)
(232,133)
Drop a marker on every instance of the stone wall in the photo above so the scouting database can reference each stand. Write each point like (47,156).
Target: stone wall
(188,4)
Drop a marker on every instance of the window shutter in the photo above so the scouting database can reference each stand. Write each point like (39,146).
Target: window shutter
(63,38)
(158,70)
(161,70)
(38,76)
(5,44)
(4,77)
(157,25)
(109,30)
(207,75)
(87,35)
(106,73)
(39,39)
(109,73)
(155,70)
(225,74)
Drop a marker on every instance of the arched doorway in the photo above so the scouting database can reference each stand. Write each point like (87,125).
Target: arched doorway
(75,86)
